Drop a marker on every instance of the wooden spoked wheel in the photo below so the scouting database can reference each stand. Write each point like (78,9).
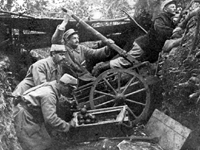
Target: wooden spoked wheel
(117,87)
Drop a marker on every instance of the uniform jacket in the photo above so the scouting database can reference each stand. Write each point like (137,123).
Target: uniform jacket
(44,70)
(83,55)
(150,44)
(33,121)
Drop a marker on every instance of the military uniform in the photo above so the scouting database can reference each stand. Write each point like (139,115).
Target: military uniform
(81,54)
(36,116)
(44,70)
(148,46)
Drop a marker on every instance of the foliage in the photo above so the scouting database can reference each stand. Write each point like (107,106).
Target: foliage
(8,140)
(180,77)
(82,8)
(177,70)
(85,8)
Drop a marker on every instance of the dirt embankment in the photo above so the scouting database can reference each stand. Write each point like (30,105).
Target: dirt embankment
(180,78)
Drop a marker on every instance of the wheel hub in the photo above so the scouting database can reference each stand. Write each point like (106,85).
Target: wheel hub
(120,98)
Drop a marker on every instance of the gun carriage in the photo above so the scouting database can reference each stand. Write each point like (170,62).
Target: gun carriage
(114,87)
(112,90)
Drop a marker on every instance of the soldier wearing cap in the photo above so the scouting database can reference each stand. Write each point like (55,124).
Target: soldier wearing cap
(44,70)
(36,116)
(147,47)
(77,55)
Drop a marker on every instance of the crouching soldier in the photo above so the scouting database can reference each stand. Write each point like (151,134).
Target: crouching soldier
(36,115)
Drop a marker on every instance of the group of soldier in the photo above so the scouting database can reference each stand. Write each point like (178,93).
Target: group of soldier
(58,75)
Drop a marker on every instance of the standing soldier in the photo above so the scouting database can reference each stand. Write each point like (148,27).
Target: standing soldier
(44,70)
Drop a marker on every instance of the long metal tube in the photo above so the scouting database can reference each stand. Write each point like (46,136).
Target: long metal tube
(121,52)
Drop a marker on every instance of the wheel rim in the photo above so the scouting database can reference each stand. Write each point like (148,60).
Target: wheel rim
(116,87)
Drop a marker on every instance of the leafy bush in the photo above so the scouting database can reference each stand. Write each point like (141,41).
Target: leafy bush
(8,140)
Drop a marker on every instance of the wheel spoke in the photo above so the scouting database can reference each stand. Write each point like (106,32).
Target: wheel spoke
(135,92)
(131,112)
(121,87)
(102,104)
(97,98)
(128,84)
(92,102)
(134,83)
(115,104)
(110,85)
(108,94)
(118,80)
(135,102)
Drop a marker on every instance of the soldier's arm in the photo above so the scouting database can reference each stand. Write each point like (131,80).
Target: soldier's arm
(48,105)
(57,37)
(97,54)
(39,74)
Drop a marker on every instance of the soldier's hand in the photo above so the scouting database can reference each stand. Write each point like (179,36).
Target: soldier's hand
(69,13)
(110,41)
(72,123)
(66,18)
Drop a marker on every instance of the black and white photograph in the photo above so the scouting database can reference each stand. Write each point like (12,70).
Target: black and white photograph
(99,74)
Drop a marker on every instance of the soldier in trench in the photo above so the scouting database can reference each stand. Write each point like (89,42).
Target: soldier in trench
(148,46)
(35,117)
(77,55)
(44,70)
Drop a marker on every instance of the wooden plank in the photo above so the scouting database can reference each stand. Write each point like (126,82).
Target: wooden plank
(122,114)
(172,134)
(49,25)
